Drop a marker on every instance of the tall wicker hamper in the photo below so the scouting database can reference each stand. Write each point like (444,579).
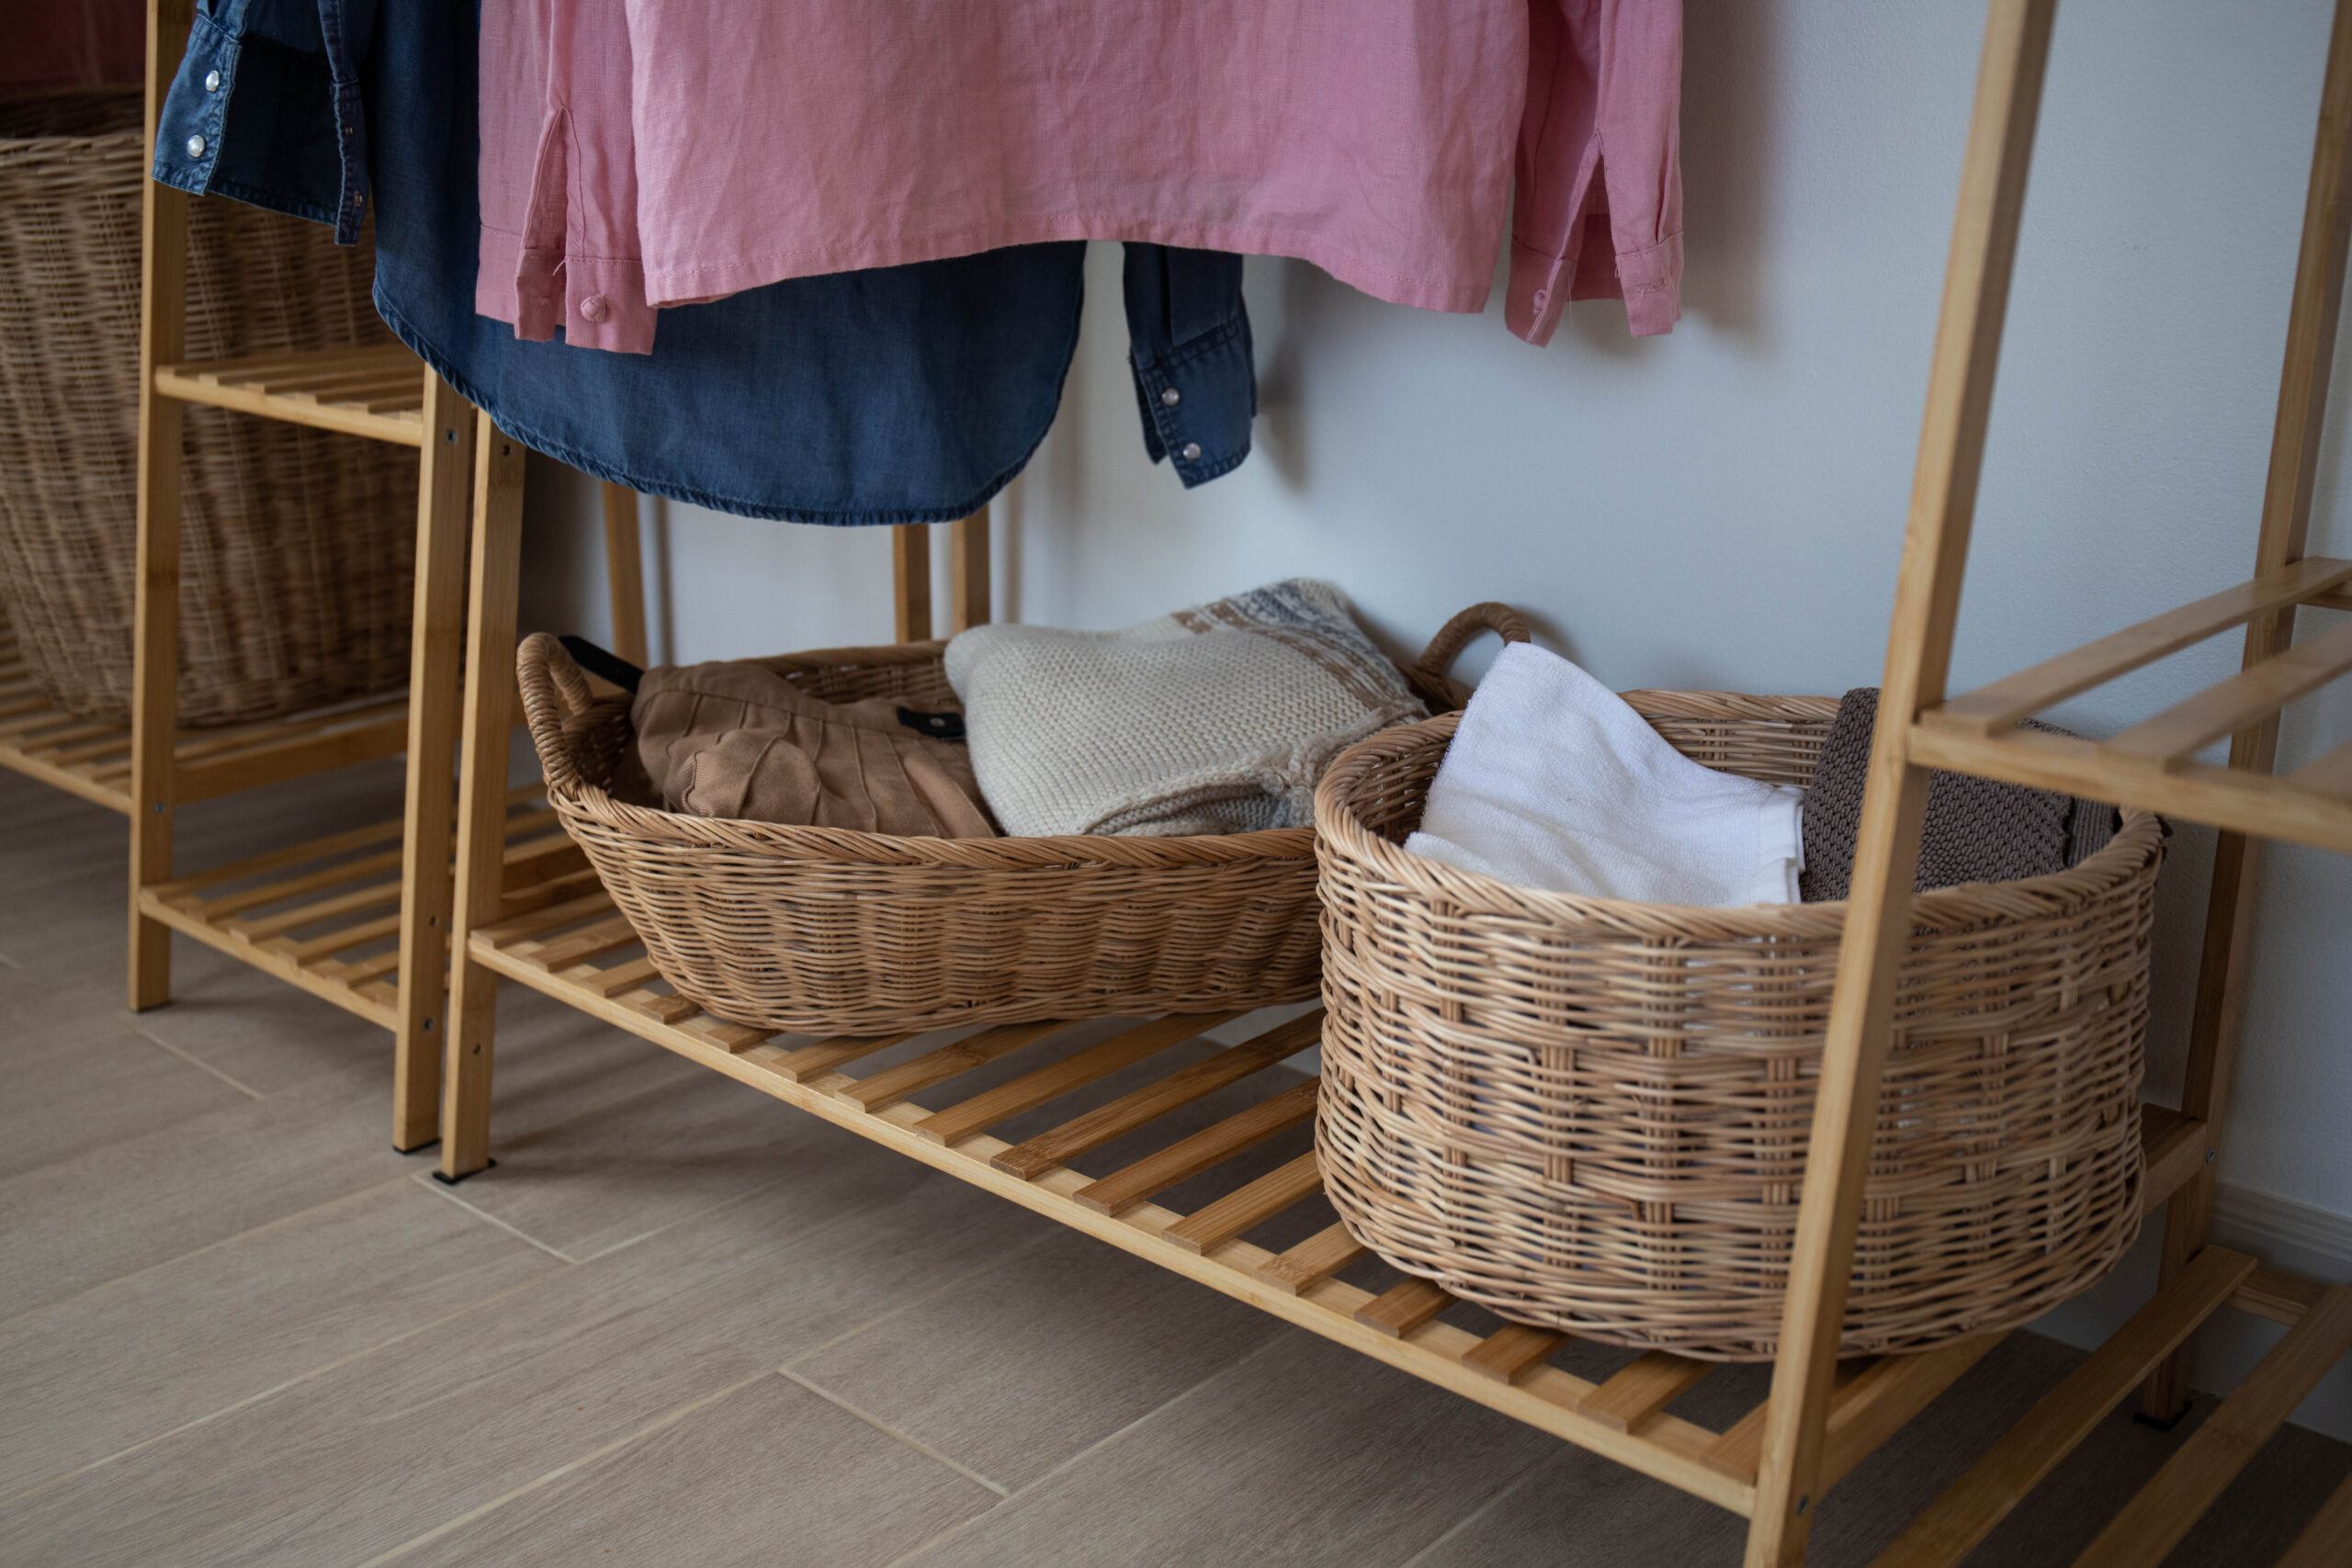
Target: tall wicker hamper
(298,545)
(1591,1114)
(825,930)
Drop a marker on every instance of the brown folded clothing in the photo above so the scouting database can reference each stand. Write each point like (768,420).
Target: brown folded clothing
(737,740)
(1977,829)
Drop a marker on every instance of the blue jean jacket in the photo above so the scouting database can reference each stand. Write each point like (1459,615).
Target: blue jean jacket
(905,394)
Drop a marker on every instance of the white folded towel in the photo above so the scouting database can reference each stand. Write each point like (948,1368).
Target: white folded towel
(1553,781)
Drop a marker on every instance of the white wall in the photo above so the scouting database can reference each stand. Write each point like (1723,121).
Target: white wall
(1722,507)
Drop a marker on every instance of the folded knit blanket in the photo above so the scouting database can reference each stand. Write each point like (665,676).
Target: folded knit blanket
(1217,719)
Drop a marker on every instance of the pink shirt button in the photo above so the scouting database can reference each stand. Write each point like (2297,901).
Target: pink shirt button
(595,308)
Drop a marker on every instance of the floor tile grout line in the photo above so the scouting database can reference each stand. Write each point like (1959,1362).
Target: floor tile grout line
(296,1382)
(628,1438)
(907,1558)
(440,1189)
(967,1472)
(194,1060)
(954,1282)
(1509,1489)
(265,1226)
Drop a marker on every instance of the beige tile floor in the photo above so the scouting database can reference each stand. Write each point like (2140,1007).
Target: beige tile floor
(680,1323)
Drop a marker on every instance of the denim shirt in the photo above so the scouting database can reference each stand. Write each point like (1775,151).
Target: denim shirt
(905,394)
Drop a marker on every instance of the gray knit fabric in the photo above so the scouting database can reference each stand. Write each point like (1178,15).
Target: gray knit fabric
(1977,829)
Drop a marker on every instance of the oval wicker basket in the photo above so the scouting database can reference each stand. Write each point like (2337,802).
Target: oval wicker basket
(1591,1114)
(296,545)
(826,930)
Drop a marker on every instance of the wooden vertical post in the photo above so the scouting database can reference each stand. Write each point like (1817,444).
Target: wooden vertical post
(967,572)
(2285,525)
(482,797)
(444,483)
(911,580)
(155,614)
(625,574)
(1878,917)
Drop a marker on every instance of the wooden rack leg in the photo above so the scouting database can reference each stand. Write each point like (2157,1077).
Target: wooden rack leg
(625,574)
(911,580)
(482,797)
(2285,525)
(967,571)
(443,484)
(1935,553)
(155,615)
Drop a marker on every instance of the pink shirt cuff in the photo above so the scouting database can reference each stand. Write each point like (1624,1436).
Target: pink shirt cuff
(1542,283)
(598,302)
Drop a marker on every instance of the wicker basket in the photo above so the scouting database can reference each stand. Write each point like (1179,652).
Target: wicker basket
(1591,1114)
(830,931)
(296,545)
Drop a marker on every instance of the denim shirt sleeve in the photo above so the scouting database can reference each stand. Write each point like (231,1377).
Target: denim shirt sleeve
(266,107)
(1188,334)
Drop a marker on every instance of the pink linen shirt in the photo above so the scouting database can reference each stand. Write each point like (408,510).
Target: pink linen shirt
(638,154)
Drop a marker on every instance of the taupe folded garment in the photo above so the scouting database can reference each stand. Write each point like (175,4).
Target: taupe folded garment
(1977,829)
(737,740)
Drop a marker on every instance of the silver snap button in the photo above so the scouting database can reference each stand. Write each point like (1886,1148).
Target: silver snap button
(195,146)
(1171,397)
(212,81)
(595,308)
(1191,452)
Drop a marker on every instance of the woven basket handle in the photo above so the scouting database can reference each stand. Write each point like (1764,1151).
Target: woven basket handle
(1429,677)
(553,691)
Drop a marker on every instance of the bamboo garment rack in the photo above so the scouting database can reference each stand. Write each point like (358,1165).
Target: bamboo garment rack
(359,919)
(1774,1463)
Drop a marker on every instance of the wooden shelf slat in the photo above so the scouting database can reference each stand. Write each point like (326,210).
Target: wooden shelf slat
(1061,1145)
(1651,1382)
(1403,1307)
(2246,699)
(1247,1207)
(1993,710)
(2201,1467)
(949,1061)
(1514,1351)
(353,390)
(1187,1158)
(1312,1261)
(1046,1084)
(1971,1506)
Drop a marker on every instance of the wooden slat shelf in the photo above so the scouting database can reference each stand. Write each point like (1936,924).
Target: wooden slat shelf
(376,392)
(324,915)
(93,760)
(566,942)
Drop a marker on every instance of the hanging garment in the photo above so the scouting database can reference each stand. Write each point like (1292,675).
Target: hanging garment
(1217,719)
(1553,781)
(1976,830)
(1374,138)
(905,394)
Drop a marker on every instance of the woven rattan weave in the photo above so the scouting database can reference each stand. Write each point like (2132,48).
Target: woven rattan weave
(297,544)
(1591,1114)
(831,931)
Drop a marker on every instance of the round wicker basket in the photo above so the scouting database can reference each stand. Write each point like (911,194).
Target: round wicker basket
(825,930)
(296,545)
(1591,1114)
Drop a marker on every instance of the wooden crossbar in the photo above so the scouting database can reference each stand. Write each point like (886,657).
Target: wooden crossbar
(1007,1100)
(2253,695)
(1991,709)
(1187,1158)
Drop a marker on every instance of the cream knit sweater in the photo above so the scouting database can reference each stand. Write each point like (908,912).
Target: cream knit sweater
(1218,719)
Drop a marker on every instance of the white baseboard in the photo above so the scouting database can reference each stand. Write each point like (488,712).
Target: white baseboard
(2285,1235)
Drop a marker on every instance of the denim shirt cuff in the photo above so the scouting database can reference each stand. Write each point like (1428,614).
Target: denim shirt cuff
(199,150)
(1198,399)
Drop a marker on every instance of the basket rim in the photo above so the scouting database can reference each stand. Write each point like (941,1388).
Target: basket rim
(2137,844)
(549,679)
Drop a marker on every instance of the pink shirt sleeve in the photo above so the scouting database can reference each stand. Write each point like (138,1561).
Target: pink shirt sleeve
(558,175)
(1599,165)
